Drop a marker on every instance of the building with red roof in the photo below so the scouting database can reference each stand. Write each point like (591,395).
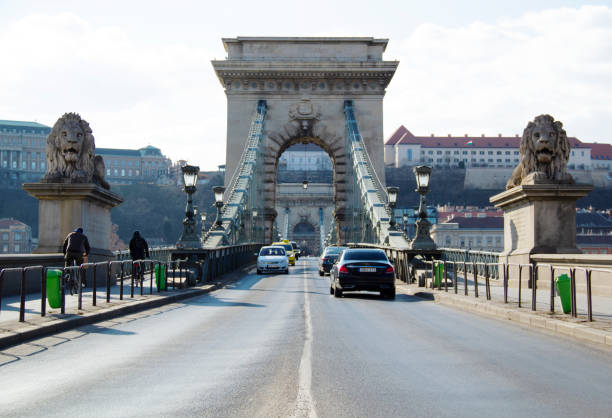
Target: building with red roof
(403,148)
(15,236)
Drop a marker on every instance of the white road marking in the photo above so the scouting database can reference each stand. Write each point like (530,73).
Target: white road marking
(304,404)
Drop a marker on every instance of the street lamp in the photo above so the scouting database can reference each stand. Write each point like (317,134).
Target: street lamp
(405,221)
(203,218)
(189,238)
(422,240)
(392,193)
(305,184)
(218,191)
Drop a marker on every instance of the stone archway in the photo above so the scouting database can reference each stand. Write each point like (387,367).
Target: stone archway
(306,130)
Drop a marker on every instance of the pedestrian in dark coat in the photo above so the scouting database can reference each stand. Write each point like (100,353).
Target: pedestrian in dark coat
(138,247)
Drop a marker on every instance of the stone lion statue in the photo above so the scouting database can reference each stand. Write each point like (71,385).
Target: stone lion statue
(70,153)
(545,151)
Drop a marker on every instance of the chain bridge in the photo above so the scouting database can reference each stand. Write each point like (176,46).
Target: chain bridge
(284,91)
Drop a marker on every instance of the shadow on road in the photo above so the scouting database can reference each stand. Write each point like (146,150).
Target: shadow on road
(213,301)
(374,296)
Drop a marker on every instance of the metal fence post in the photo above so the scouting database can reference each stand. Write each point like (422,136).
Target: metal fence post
(23,296)
(520,276)
(43,290)
(552,288)
(534,280)
(121,283)
(95,283)
(475,268)
(589,299)
(109,267)
(573,291)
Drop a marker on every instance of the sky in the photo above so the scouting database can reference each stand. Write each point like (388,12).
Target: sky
(139,71)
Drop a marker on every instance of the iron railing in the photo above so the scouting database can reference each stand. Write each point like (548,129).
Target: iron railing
(480,273)
(217,261)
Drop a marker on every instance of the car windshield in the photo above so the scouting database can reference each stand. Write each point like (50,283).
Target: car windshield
(376,255)
(334,250)
(294,245)
(288,247)
(272,251)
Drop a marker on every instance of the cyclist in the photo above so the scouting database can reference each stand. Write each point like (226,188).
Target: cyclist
(76,245)
(139,249)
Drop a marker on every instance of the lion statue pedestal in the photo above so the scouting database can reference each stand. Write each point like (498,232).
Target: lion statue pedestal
(540,201)
(73,192)
(64,207)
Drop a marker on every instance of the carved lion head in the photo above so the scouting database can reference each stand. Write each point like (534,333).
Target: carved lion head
(70,150)
(544,150)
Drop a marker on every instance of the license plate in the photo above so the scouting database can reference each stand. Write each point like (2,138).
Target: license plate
(367,270)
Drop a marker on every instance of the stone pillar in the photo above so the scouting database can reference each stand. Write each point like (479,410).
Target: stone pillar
(63,207)
(539,219)
(269,217)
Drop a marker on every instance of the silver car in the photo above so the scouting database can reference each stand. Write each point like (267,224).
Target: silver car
(272,259)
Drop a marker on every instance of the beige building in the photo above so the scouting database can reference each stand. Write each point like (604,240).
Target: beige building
(129,166)
(22,152)
(15,237)
(484,233)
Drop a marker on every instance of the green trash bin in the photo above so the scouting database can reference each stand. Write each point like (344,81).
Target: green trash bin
(439,270)
(563,283)
(160,278)
(54,296)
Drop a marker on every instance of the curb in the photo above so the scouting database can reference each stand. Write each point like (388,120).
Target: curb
(29,333)
(578,332)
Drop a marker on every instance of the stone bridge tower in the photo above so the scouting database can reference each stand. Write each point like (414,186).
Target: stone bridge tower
(305,82)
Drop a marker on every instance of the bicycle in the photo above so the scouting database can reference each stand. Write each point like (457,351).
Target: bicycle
(138,273)
(72,281)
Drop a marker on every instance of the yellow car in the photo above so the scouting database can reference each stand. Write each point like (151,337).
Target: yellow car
(289,250)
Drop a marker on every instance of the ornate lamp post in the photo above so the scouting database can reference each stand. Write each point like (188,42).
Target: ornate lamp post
(218,191)
(189,238)
(203,218)
(422,240)
(392,193)
(405,221)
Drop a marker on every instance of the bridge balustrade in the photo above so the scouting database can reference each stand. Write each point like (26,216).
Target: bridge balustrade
(216,262)
(481,273)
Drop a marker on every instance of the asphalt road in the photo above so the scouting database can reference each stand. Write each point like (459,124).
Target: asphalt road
(280,345)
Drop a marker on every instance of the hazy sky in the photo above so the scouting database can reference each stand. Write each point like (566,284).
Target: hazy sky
(140,72)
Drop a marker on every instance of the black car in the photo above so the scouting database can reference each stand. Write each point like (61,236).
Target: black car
(362,269)
(328,258)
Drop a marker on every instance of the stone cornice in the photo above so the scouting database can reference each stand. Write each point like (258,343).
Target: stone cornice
(261,72)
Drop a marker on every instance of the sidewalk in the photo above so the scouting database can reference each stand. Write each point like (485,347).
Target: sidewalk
(14,332)
(598,332)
